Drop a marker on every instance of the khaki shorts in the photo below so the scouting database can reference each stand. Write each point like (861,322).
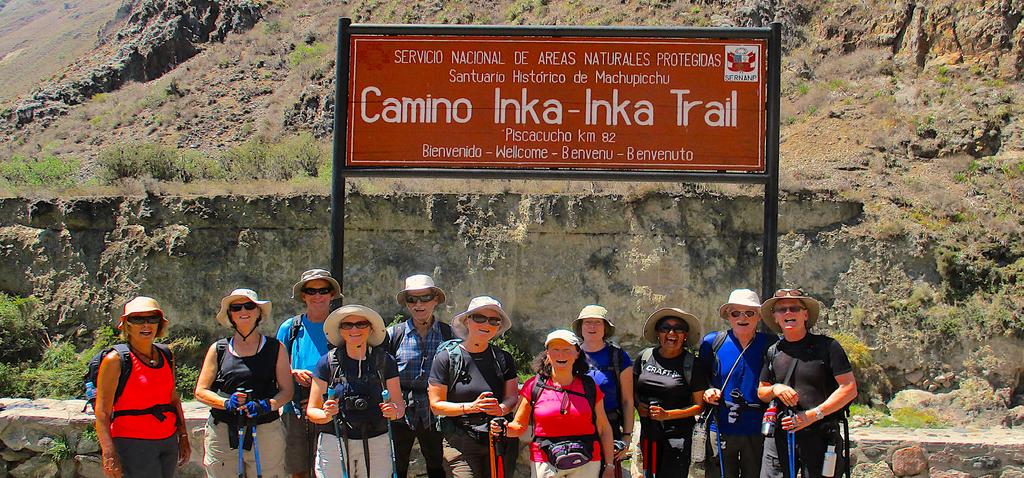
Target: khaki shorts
(222,462)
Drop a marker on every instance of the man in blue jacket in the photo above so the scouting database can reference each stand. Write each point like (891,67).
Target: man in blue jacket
(734,358)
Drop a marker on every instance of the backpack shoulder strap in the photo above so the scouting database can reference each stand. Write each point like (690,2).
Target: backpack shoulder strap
(168,355)
(446,331)
(688,361)
(335,367)
(293,333)
(455,360)
(616,360)
(716,345)
(395,337)
(125,354)
(499,357)
(590,391)
(222,349)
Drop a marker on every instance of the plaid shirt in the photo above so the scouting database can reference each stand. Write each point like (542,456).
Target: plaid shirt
(414,356)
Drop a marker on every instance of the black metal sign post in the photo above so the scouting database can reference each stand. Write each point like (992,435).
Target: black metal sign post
(769,177)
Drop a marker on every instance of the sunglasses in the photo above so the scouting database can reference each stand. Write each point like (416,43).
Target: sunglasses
(789,293)
(495,321)
(144,319)
(317,290)
(783,310)
(679,329)
(239,307)
(412,299)
(742,313)
(354,325)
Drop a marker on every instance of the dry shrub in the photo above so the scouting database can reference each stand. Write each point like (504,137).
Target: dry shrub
(863,63)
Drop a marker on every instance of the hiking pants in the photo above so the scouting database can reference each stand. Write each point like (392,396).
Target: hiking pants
(666,456)
(221,461)
(430,446)
(741,455)
(811,444)
(142,458)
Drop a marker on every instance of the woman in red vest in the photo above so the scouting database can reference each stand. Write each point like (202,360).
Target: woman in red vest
(141,430)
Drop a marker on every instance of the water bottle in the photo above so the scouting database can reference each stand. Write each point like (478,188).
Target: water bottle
(829,467)
(90,391)
(768,422)
(700,436)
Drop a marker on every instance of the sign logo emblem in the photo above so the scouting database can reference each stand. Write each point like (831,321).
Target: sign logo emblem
(742,63)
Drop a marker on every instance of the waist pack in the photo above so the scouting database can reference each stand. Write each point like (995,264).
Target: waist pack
(566,453)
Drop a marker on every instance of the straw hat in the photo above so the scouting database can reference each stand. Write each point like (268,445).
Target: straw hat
(459,327)
(264,305)
(314,274)
(594,312)
(692,337)
(812,305)
(333,323)
(143,305)
(420,282)
(745,297)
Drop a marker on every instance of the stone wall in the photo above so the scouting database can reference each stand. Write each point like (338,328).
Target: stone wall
(32,433)
(543,255)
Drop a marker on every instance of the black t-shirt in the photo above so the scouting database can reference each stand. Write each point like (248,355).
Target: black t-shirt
(481,374)
(819,360)
(663,380)
(361,381)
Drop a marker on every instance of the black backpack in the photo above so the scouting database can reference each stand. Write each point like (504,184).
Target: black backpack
(92,371)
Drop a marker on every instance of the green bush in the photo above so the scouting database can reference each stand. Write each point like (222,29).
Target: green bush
(22,330)
(303,54)
(48,170)
(152,160)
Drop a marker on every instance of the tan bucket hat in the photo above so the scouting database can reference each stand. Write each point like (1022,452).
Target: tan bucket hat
(477,304)
(692,337)
(745,297)
(812,305)
(593,311)
(143,305)
(264,305)
(314,274)
(420,282)
(333,322)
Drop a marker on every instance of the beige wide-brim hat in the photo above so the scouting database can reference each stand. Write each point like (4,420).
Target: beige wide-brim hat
(420,282)
(744,297)
(264,305)
(314,274)
(459,327)
(143,305)
(593,311)
(812,305)
(692,337)
(333,323)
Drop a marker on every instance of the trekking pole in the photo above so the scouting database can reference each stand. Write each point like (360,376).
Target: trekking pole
(386,395)
(337,431)
(493,456)
(791,448)
(241,440)
(255,443)
(718,443)
(499,446)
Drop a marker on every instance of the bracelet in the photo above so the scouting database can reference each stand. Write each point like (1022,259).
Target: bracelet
(818,414)
(627,433)
(463,408)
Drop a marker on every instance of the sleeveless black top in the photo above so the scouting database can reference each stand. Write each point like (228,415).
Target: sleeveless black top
(257,373)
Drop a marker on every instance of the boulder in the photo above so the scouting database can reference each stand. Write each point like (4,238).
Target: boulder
(909,461)
(36,467)
(89,466)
